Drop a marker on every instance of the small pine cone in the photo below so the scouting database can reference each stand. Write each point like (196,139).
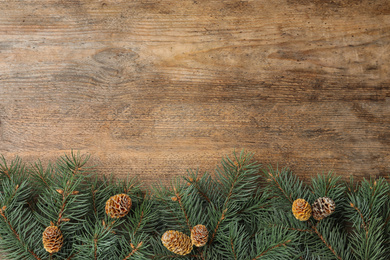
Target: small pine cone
(301,209)
(323,207)
(177,242)
(52,239)
(118,206)
(199,235)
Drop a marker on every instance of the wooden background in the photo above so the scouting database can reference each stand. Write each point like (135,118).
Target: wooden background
(153,87)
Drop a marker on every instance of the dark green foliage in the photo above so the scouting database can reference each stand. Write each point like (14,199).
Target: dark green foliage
(368,211)
(246,209)
(18,227)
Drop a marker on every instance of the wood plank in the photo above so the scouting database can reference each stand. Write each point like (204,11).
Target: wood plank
(152,88)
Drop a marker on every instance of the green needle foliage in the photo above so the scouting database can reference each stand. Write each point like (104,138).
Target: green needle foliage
(246,208)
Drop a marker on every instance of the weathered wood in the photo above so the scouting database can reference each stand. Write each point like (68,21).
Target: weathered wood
(153,87)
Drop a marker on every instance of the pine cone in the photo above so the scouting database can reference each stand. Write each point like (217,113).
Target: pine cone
(199,235)
(323,207)
(301,209)
(52,239)
(177,242)
(118,206)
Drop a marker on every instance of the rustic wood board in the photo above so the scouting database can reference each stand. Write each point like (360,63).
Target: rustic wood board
(153,88)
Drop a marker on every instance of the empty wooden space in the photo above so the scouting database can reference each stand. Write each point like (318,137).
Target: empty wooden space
(152,88)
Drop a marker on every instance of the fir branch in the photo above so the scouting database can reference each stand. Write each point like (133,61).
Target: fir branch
(11,196)
(135,249)
(280,187)
(224,205)
(40,177)
(44,181)
(71,256)
(172,214)
(205,186)
(326,243)
(9,224)
(285,186)
(74,164)
(232,245)
(62,209)
(95,241)
(16,170)
(182,208)
(172,256)
(216,228)
(291,228)
(244,220)
(361,216)
(203,194)
(269,249)
(17,235)
(93,191)
(4,168)
(139,222)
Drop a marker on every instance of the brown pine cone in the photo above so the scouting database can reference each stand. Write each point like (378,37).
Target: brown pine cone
(177,242)
(118,206)
(301,209)
(323,207)
(199,235)
(52,239)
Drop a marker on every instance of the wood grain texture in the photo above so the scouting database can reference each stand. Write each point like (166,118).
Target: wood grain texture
(153,87)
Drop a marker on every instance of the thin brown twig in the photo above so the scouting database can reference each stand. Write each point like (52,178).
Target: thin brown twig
(95,240)
(234,253)
(5,171)
(326,188)
(201,255)
(280,188)
(139,223)
(9,224)
(17,235)
(224,205)
(182,208)
(269,249)
(323,240)
(361,216)
(216,228)
(202,193)
(13,194)
(43,179)
(173,214)
(172,256)
(62,209)
(297,229)
(372,194)
(93,199)
(126,190)
(134,250)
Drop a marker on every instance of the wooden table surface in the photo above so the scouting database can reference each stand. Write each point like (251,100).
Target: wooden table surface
(153,87)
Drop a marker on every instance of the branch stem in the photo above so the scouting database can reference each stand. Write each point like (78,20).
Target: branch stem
(271,248)
(17,235)
(324,241)
(133,251)
(182,208)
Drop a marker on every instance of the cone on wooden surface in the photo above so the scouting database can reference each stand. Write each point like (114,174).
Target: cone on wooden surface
(177,242)
(301,209)
(118,206)
(323,207)
(52,239)
(199,235)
